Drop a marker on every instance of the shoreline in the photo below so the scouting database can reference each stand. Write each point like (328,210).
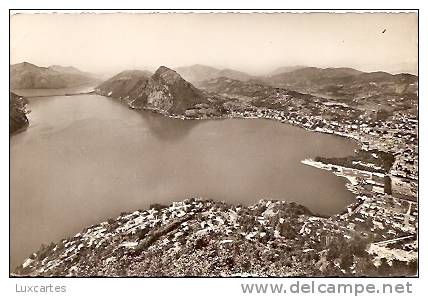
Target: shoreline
(310,162)
(351,181)
(20,130)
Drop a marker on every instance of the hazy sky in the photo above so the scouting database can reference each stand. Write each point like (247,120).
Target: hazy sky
(251,42)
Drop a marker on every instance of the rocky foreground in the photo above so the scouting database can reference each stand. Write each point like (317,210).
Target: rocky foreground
(204,238)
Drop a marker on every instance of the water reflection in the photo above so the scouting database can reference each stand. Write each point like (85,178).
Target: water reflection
(167,129)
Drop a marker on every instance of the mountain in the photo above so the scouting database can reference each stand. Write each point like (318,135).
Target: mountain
(126,84)
(197,73)
(240,96)
(378,94)
(29,76)
(312,75)
(71,70)
(18,120)
(65,69)
(250,90)
(285,69)
(234,74)
(165,91)
(346,84)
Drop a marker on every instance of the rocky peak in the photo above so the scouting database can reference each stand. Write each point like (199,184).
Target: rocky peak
(164,91)
(167,75)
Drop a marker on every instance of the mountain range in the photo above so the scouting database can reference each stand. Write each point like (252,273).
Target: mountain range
(345,83)
(198,86)
(29,76)
(342,83)
(169,91)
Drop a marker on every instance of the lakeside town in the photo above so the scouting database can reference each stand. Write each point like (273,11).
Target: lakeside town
(386,209)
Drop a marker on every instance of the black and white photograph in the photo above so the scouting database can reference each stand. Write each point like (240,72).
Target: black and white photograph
(220,144)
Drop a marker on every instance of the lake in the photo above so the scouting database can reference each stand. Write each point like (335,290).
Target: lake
(87,158)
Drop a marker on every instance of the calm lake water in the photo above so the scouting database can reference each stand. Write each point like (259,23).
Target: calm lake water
(87,158)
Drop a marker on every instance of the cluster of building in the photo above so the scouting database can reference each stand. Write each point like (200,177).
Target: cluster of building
(387,209)
(396,134)
(388,224)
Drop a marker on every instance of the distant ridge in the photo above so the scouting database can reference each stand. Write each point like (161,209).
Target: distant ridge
(285,69)
(29,76)
(128,83)
(344,83)
(197,73)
